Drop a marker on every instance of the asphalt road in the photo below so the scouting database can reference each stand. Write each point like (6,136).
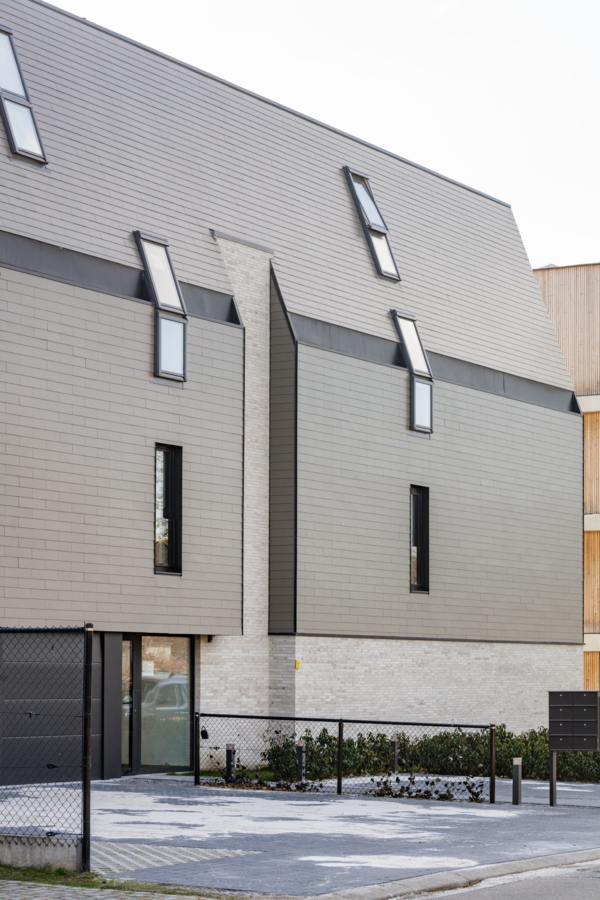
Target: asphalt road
(581,882)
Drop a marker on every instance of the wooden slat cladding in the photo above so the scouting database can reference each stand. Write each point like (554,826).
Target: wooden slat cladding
(591,443)
(591,671)
(572,296)
(591,582)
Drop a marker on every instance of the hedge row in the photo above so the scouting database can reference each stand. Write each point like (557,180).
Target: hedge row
(454,752)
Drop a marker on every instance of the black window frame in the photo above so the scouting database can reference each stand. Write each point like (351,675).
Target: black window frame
(22,101)
(159,372)
(416,375)
(369,227)
(421,586)
(162,310)
(172,506)
(414,426)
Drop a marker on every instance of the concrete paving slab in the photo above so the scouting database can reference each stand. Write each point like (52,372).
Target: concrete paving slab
(538,793)
(310,845)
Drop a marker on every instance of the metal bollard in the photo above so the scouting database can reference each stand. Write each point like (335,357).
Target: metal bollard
(196,749)
(517,778)
(230,762)
(553,778)
(395,744)
(492,763)
(340,755)
(301,761)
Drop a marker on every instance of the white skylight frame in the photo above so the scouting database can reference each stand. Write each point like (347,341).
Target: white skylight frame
(16,108)
(373,223)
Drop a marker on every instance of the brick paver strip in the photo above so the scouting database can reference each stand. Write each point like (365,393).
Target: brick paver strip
(23,890)
(112,858)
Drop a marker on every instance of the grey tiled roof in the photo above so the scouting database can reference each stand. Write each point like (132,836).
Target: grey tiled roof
(137,140)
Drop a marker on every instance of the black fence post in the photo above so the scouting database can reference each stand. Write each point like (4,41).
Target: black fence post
(340,755)
(492,763)
(229,762)
(196,749)
(87,746)
(395,745)
(553,778)
(301,761)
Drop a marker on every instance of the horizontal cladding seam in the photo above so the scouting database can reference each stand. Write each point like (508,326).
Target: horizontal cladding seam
(389,637)
(336,338)
(116,279)
(93,273)
(266,100)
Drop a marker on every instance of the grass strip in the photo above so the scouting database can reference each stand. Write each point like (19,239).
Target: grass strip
(48,875)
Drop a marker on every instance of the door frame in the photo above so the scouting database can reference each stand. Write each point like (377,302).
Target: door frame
(135,733)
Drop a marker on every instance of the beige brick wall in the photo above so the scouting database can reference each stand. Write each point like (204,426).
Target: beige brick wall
(235,670)
(80,413)
(434,681)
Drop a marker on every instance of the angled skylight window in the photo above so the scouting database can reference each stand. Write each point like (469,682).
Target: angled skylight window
(411,343)
(421,378)
(15,104)
(373,224)
(170,326)
(160,275)
(367,201)
(384,254)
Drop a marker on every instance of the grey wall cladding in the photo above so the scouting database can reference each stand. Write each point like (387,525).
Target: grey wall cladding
(282,477)
(83,410)
(505,507)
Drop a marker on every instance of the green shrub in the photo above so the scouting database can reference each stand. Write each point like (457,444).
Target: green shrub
(448,753)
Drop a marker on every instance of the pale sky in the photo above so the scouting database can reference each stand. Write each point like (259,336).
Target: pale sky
(499,94)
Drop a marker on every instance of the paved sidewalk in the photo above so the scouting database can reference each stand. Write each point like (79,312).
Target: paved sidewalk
(543,878)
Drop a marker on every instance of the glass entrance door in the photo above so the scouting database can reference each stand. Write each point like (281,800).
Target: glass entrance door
(157,703)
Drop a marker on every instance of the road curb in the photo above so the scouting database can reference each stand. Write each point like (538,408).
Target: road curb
(456,878)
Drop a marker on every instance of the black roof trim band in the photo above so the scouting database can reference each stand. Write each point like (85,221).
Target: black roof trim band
(94,274)
(342,340)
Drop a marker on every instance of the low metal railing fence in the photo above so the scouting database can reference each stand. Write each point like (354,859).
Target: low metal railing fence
(428,761)
(45,736)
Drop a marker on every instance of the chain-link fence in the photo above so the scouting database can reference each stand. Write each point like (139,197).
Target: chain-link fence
(384,759)
(45,713)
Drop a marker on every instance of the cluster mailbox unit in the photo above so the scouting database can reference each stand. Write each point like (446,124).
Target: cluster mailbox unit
(573,725)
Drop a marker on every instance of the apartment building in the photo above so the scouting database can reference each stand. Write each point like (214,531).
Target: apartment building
(284,413)
(572,296)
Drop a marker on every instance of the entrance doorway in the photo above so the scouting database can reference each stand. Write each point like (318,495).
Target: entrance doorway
(156,703)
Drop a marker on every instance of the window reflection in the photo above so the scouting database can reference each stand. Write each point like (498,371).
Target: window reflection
(126,703)
(422,405)
(161,546)
(172,337)
(165,701)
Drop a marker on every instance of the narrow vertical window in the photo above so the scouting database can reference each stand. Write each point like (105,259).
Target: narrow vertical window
(421,378)
(170,320)
(419,539)
(167,527)
(375,229)
(15,104)
(170,350)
